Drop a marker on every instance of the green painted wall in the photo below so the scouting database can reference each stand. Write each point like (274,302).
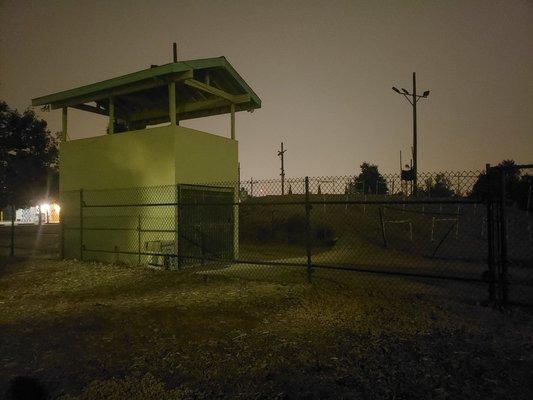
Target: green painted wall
(149,157)
(205,158)
(162,157)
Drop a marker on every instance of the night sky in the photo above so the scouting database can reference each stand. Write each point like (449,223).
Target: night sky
(323,70)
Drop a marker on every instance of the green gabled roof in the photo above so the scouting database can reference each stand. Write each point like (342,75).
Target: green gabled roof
(145,93)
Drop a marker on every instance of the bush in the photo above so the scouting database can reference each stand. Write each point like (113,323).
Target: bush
(294,227)
(324,235)
(291,230)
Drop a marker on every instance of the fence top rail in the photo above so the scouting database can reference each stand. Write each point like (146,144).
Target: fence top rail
(299,202)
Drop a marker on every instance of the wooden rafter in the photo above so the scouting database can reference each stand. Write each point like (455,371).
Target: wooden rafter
(93,109)
(214,91)
(180,109)
(132,88)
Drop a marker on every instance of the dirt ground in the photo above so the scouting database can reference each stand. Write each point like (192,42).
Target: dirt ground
(95,331)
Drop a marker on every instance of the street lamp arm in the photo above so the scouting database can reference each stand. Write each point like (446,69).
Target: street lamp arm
(408,99)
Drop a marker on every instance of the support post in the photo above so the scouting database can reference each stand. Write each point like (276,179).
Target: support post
(528,204)
(82,204)
(62,238)
(382,227)
(179,213)
(308,232)
(415,144)
(172,103)
(202,246)
(490,236)
(239,181)
(111,128)
(281,154)
(64,124)
(232,107)
(503,240)
(139,240)
(13,214)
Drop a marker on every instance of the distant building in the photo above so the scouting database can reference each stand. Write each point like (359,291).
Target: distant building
(40,214)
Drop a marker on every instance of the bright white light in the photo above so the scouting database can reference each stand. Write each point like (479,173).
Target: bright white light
(45,208)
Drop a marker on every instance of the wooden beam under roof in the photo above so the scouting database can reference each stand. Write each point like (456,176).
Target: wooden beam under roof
(210,89)
(221,109)
(134,87)
(93,109)
(188,107)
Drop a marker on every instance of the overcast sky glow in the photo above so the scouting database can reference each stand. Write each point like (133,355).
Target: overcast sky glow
(323,70)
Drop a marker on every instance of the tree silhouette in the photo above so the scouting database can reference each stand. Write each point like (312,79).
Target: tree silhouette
(369,181)
(439,187)
(28,158)
(517,186)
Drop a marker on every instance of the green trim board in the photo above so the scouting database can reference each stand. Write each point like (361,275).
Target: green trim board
(197,83)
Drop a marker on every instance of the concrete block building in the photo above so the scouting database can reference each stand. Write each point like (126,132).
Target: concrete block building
(120,192)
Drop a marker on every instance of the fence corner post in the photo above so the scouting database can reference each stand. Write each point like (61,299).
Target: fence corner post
(308,232)
(490,238)
(382,227)
(503,240)
(62,238)
(12,244)
(82,204)
(139,239)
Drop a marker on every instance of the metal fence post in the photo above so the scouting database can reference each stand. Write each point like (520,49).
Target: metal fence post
(503,241)
(82,204)
(490,237)
(12,248)
(139,240)
(178,226)
(308,231)
(382,227)
(62,239)
(202,246)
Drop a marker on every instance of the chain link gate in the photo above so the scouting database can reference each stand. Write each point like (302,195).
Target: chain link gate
(205,224)
(510,242)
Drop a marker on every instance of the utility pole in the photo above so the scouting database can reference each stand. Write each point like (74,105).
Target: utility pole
(415,151)
(252,187)
(413,98)
(281,155)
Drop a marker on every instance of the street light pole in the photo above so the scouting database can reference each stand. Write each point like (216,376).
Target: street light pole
(413,98)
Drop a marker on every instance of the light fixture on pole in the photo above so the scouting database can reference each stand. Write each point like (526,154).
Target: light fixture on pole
(413,98)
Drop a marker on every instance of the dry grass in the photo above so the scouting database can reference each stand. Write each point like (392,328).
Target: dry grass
(94,331)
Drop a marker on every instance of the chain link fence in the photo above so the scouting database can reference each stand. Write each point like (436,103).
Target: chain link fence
(465,235)
(357,231)
(26,239)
